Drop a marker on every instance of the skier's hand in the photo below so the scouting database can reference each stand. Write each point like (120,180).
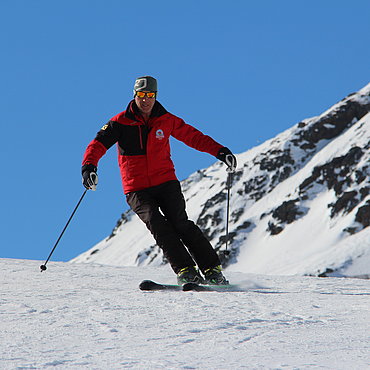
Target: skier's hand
(89,176)
(225,155)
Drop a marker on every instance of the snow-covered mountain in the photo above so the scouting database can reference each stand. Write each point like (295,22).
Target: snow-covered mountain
(300,202)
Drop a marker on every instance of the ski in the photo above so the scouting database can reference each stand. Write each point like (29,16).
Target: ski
(210,288)
(196,287)
(149,285)
(152,285)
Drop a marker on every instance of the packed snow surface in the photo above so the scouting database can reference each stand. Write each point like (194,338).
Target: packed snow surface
(89,316)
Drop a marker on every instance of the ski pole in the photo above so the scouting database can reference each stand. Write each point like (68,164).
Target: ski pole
(230,172)
(43,267)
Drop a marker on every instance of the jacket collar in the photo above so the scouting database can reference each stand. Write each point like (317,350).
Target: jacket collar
(132,110)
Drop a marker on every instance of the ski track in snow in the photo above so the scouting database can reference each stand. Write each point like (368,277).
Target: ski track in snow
(94,317)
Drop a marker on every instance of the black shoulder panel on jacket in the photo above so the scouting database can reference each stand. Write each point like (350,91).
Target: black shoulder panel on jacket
(109,134)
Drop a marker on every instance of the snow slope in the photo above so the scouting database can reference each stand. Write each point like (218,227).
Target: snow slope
(89,316)
(300,202)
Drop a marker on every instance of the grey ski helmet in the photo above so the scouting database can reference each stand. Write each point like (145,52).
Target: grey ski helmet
(145,83)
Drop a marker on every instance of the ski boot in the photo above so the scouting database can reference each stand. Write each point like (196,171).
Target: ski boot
(214,276)
(189,275)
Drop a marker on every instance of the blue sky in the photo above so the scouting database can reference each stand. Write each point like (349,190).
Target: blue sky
(240,71)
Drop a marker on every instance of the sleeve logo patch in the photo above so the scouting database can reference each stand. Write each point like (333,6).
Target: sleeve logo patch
(104,127)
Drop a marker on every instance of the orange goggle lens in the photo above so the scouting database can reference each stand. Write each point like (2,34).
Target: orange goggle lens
(142,94)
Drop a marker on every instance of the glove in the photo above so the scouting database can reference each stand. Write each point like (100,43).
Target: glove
(89,176)
(225,155)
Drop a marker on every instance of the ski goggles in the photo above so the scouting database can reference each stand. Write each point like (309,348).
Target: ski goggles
(142,94)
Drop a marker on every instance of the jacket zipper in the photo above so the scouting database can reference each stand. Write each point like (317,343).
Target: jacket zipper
(146,157)
(141,138)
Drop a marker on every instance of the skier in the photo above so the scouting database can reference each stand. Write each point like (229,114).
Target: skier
(152,190)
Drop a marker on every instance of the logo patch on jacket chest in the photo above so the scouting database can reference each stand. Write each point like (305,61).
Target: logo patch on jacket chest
(159,134)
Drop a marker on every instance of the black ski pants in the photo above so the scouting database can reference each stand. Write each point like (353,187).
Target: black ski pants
(162,209)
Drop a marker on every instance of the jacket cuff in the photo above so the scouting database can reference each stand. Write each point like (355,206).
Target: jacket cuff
(89,167)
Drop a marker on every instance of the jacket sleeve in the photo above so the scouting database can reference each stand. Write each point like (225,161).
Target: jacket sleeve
(194,138)
(105,138)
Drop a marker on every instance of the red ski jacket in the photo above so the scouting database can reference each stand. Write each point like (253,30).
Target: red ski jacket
(144,154)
